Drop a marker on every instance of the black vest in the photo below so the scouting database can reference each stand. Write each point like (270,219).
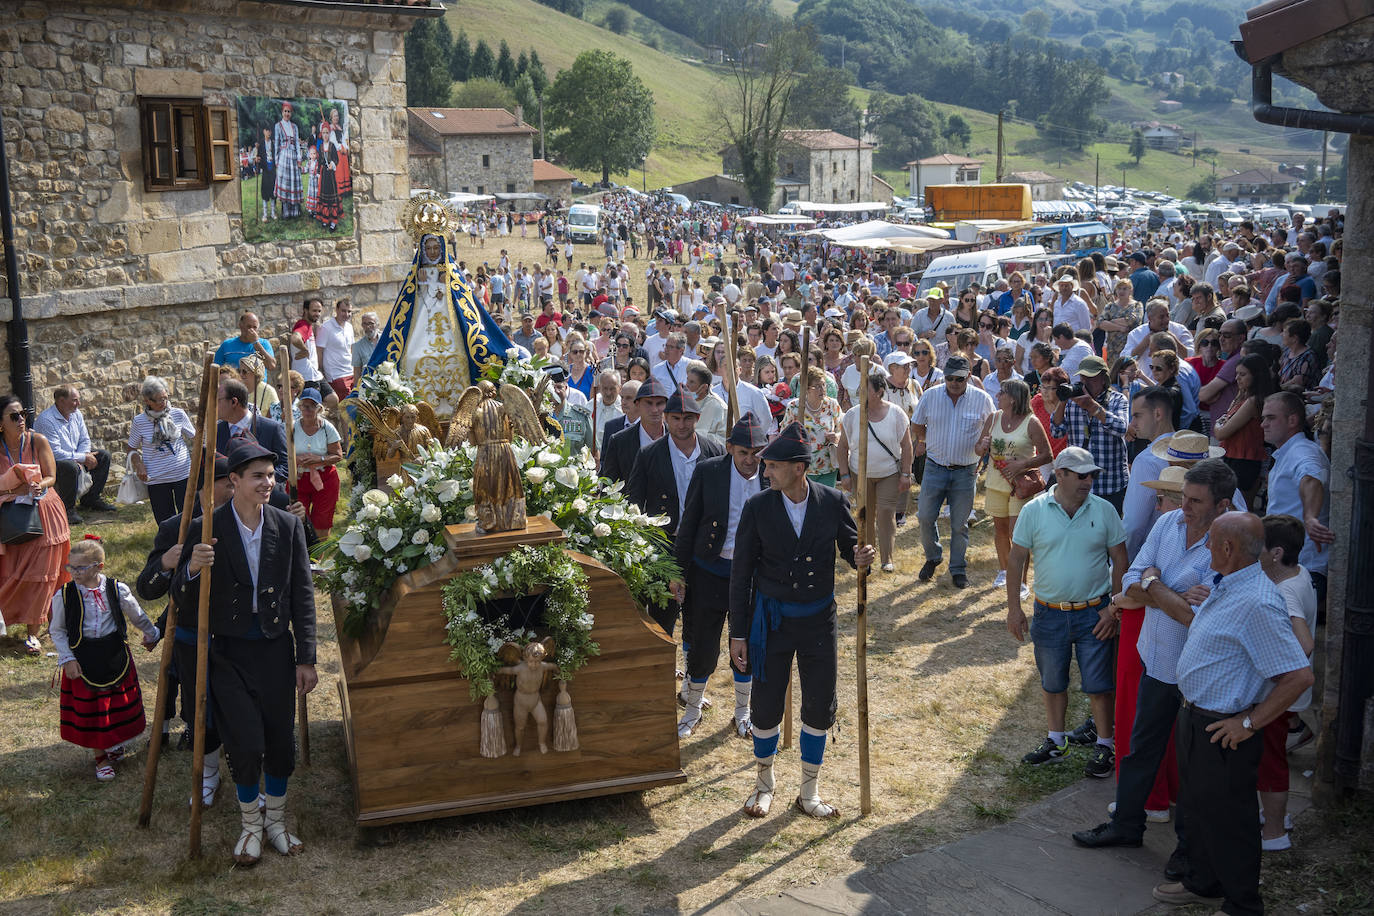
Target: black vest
(104,660)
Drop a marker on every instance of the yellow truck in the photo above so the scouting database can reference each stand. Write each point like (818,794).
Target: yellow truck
(979,201)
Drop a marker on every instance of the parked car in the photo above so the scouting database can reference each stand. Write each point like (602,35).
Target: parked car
(1165,216)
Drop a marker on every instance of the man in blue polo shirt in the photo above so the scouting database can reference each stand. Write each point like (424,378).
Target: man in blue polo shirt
(247,343)
(1144,281)
(1079,547)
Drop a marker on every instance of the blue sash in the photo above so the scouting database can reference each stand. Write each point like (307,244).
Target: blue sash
(768,615)
(717,567)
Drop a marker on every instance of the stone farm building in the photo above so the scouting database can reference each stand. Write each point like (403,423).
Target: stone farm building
(817,165)
(474,151)
(126,266)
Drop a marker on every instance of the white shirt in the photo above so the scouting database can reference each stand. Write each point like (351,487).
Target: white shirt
(683,466)
(1075,312)
(672,376)
(741,488)
(252,548)
(750,399)
(1138,512)
(796,512)
(952,427)
(1140,332)
(605,413)
(764,350)
(1070,358)
(646,440)
(1300,597)
(712,419)
(97,619)
(335,343)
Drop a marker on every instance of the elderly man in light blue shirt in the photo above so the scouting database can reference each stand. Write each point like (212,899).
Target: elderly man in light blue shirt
(66,432)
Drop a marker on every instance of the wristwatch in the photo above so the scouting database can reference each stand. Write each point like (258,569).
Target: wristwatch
(1146,582)
(1245,723)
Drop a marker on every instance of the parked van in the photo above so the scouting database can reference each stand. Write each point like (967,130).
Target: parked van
(1269,215)
(985,267)
(1165,216)
(584,222)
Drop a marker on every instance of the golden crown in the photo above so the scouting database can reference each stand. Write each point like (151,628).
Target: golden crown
(428,214)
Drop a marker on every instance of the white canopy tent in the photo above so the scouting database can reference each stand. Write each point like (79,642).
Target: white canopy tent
(778,219)
(862,206)
(875,229)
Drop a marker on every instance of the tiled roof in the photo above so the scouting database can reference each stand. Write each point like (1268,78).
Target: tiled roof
(451,122)
(1258,176)
(419,148)
(822,139)
(547,171)
(946,159)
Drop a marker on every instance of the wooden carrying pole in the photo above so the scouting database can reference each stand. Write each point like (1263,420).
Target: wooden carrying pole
(207,522)
(289,426)
(861,590)
(731,374)
(145,807)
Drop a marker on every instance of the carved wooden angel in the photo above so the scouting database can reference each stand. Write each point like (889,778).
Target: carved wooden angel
(531,673)
(491,424)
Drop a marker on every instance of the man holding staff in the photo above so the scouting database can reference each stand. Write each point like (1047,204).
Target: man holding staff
(782,604)
(261,591)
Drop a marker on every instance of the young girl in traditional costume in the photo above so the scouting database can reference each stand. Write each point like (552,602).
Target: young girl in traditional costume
(102,706)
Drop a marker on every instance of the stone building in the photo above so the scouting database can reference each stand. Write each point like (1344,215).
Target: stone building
(552,180)
(480,150)
(946,168)
(821,166)
(121,277)
(1043,185)
(1255,186)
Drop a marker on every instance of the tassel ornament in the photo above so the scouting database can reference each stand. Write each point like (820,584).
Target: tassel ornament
(564,725)
(493,742)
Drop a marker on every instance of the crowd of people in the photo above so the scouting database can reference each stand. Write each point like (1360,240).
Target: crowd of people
(1149,430)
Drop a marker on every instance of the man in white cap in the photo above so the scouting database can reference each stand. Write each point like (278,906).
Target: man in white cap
(1078,545)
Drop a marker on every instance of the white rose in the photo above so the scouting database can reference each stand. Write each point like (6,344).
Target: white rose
(421,536)
(369,513)
(362,553)
(389,538)
(601,530)
(579,505)
(395,481)
(447,490)
(376,498)
(536,475)
(430,513)
(549,459)
(566,476)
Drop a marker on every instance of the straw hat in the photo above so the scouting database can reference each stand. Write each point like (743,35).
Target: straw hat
(1185,446)
(1170,481)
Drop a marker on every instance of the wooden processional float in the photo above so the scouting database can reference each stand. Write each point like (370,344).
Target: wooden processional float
(414,734)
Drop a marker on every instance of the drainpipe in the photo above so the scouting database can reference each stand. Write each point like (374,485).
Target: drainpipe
(1355,711)
(21,379)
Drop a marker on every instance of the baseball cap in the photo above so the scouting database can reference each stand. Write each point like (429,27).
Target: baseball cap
(1092,366)
(898,358)
(1078,460)
(956,367)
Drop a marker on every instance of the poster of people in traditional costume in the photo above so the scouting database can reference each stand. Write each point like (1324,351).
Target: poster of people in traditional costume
(295,179)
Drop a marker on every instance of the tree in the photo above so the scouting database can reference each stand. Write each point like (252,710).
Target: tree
(764,60)
(484,92)
(821,99)
(427,66)
(1204,190)
(600,114)
(1111,19)
(483,61)
(907,127)
(958,132)
(522,64)
(617,20)
(505,65)
(1137,149)
(523,91)
(460,60)
(1036,22)
(538,77)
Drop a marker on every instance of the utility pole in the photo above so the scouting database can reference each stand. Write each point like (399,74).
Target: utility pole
(540,97)
(1321,189)
(1097,183)
(999,147)
(1194,149)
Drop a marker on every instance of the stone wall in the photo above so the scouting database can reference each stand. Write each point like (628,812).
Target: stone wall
(118,282)
(510,164)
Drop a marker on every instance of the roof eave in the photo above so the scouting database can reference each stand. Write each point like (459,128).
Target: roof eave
(377,9)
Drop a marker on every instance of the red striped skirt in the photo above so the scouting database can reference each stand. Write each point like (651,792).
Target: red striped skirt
(102,718)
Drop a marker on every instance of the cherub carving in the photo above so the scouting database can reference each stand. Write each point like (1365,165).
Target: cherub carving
(530,674)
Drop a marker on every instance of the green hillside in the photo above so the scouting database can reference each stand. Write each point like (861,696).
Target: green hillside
(686,92)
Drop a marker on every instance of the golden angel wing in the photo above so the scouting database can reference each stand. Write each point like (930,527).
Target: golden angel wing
(509,654)
(428,419)
(523,418)
(377,419)
(460,427)
(551,657)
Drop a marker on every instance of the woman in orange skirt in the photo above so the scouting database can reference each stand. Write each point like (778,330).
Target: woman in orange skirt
(30,571)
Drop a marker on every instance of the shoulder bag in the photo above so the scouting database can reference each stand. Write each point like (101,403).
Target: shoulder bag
(19,521)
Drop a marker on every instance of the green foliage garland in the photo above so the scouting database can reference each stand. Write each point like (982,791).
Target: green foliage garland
(524,571)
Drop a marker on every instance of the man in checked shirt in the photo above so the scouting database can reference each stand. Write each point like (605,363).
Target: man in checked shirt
(1096,420)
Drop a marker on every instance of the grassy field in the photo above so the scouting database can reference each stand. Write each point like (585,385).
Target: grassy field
(304,226)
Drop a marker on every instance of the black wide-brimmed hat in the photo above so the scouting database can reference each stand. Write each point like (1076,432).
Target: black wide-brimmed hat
(791,445)
(748,432)
(651,387)
(245,451)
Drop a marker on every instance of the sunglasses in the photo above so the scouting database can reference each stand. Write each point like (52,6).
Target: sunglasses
(1086,476)
(986,327)
(1210,343)
(970,299)
(14,416)
(80,569)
